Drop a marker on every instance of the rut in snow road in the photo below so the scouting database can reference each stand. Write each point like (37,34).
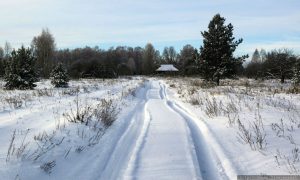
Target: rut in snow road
(161,143)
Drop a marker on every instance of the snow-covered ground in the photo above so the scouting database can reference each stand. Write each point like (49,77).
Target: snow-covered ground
(36,125)
(163,129)
(254,125)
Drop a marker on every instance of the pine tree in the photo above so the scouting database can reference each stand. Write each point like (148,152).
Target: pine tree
(296,71)
(216,54)
(59,77)
(19,73)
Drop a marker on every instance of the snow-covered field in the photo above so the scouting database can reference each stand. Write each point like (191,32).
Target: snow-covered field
(254,125)
(38,139)
(162,129)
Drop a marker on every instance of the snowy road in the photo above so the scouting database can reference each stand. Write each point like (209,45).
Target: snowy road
(161,143)
(155,137)
(166,150)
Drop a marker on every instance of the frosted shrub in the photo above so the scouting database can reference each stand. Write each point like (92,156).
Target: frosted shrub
(106,112)
(59,77)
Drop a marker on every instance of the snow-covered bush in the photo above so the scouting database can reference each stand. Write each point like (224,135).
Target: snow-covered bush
(59,77)
(19,73)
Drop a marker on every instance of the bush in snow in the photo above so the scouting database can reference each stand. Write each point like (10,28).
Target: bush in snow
(19,73)
(106,112)
(47,167)
(59,77)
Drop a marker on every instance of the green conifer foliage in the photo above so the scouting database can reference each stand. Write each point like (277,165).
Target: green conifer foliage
(59,76)
(19,73)
(216,54)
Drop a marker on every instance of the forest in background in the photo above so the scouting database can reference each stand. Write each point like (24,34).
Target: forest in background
(213,61)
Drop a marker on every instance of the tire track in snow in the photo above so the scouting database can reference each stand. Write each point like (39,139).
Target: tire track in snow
(208,170)
(134,160)
(121,151)
(127,153)
(115,166)
(211,166)
(111,160)
(163,148)
(192,147)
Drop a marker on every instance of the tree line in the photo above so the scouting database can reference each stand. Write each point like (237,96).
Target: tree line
(213,61)
(277,64)
(98,63)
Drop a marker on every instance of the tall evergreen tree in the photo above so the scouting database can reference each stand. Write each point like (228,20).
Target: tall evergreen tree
(19,73)
(216,54)
(59,77)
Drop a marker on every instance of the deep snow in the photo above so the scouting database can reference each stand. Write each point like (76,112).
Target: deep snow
(165,129)
(267,104)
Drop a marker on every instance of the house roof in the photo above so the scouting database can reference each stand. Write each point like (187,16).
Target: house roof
(167,67)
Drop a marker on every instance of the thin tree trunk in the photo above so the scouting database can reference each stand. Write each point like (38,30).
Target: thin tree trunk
(218,80)
(282,79)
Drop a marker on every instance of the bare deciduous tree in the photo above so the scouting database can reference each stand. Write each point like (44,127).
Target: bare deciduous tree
(279,64)
(44,47)
(7,50)
(131,65)
(256,57)
(186,56)
(169,55)
(149,58)
(263,55)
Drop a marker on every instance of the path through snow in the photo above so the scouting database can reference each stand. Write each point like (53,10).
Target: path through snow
(162,142)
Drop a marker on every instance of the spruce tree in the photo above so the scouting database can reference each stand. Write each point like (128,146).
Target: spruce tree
(59,77)
(19,73)
(216,54)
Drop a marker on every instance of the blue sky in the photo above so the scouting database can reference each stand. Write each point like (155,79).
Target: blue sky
(76,23)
